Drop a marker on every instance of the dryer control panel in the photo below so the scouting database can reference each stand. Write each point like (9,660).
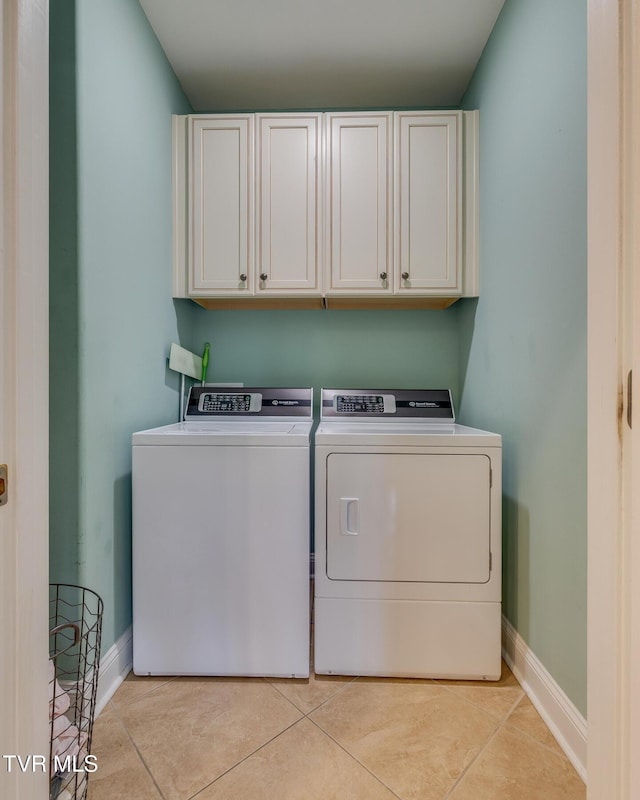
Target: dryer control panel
(384,404)
(366,403)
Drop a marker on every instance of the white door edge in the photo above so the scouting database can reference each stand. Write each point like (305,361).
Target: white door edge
(24,336)
(613,347)
(630,555)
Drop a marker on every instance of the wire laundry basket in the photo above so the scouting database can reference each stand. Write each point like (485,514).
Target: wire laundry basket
(75,629)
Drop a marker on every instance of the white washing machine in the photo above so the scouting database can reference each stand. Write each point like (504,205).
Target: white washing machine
(407,538)
(221,512)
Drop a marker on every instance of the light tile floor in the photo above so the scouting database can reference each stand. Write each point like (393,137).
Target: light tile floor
(326,738)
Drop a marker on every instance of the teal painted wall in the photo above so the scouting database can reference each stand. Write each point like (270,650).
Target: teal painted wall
(112,96)
(523,342)
(331,348)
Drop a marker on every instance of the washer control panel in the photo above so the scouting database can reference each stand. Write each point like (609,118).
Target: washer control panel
(231,402)
(225,402)
(427,405)
(365,403)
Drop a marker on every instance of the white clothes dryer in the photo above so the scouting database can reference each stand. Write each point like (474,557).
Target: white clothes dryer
(407,538)
(221,512)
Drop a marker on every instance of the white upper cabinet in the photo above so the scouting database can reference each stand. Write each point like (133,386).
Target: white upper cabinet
(220,205)
(428,203)
(358,151)
(343,209)
(287,204)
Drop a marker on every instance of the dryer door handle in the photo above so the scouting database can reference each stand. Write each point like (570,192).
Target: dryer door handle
(349,516)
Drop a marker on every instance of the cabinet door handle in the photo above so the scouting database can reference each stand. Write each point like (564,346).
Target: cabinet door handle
(405,276)
(383,276)
(263,276)
(243,277)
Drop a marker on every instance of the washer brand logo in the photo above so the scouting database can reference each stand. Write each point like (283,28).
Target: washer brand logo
(422,404)
(284,402)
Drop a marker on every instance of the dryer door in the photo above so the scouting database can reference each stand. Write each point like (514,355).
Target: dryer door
(408,517)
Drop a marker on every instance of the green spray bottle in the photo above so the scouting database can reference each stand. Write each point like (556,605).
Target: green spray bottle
(205,362)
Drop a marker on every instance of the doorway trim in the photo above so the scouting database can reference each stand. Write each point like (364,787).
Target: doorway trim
(613,508)
(24,424)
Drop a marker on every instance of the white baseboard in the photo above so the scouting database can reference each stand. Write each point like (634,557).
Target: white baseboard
(562,718)
(115,665)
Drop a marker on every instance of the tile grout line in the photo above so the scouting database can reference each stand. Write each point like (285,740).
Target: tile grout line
(282,694)
(466,770)
(289,727)
(523,732)
(274,686)
(140,756)
(264,744)
(170,679)
(162,795)
(502,721)
(333,696)
(551,750)
(459,696)
(507,717)
(249,755)
(354,758)
(315,708)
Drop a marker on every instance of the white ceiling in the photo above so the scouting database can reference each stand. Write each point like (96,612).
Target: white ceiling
(285,54)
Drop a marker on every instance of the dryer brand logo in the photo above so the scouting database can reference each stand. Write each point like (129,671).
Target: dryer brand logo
(422,404)
(285,402)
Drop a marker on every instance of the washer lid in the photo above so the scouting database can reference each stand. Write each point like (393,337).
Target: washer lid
(254,433)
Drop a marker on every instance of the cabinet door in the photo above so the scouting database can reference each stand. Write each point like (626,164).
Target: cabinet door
(358,206)
(221,205)
(287,204)
(427,192)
